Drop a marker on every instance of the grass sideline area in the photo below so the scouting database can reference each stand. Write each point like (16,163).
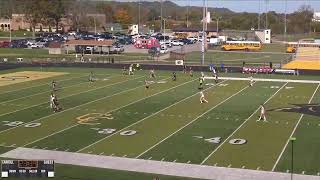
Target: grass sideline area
(116,115)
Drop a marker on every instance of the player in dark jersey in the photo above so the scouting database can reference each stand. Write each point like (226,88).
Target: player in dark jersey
(54,85)
(174,76)
(201,83)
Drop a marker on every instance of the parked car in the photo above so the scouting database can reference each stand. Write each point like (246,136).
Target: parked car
(177,43)
(163,49)
(187,41)
(194,39)
(154,51)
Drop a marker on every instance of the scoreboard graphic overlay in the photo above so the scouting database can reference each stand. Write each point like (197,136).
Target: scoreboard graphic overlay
(27,168)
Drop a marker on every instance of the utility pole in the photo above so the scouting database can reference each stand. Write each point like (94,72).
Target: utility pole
(266,23)
(188,13)
(139,17)
(259,15)
(161,16)
(285,21)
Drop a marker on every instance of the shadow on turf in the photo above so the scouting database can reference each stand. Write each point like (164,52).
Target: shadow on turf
(309,109)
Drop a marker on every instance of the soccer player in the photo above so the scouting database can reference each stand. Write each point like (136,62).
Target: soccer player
(54,85)
(91,77)
(202,99)
(201,79)
(262,113)
(190,72)
(152,74)
(174,76)
(124,70)
(130,70)
(51,100)
(251,81)
(216,78)
(146,83)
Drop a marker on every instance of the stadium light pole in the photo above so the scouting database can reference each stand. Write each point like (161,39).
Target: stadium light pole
(203,31)
(266,23)
(292,139)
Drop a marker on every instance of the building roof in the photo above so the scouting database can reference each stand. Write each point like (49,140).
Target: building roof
(54,45)
(89,43)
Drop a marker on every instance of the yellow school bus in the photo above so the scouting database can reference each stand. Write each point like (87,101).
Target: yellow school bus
(241,45)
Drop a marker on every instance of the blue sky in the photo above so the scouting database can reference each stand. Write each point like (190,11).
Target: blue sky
(253,5)
(250,5)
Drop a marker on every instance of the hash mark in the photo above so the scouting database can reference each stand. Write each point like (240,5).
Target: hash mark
(124,155)
(101,153)
(150,158)
(175,160)
(188,162)
(162,159)
(229,165)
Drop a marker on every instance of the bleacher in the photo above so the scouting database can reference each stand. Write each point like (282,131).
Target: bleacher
(305,58)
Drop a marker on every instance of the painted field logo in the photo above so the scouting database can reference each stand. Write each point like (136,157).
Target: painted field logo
(91,118)
(309,109)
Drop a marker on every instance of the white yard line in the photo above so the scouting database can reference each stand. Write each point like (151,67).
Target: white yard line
(72,107)
(215,150)
(192,121)
(143,119)
(66,87)
(293,131)
(266,80)
(68,96)
(112,109)
(48,83)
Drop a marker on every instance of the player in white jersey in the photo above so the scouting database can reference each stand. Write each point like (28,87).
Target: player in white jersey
(251,81)
(262,113)
(130,70)
(51,100)
(202,98)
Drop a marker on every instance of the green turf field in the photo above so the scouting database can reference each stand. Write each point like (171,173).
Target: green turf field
(117,116)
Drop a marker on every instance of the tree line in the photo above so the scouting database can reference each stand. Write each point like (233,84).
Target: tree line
(50,12)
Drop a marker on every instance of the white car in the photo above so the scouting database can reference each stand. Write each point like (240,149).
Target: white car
(163,49)
(177,43)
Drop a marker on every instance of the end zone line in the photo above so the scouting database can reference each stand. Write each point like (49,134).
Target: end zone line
(68,96)
(39,85)
(293,131)
(192,121)
(69,108)
(144,119)
(216,149)
(112,109)
(267,80)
